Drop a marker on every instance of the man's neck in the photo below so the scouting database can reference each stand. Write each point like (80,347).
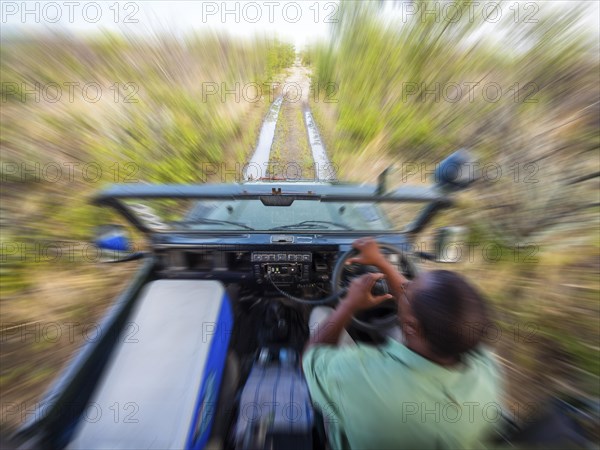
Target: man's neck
(423,350)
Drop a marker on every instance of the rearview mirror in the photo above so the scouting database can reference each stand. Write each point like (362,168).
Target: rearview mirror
(448,244)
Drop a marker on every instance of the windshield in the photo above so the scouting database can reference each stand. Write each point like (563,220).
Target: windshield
(168,215)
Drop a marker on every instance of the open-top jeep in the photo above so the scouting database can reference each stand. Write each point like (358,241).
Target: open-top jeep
(202,349)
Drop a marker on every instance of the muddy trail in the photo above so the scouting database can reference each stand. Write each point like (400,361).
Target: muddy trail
(289,146)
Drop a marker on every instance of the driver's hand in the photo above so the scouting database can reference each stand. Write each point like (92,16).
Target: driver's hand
(369,253)
(359,294)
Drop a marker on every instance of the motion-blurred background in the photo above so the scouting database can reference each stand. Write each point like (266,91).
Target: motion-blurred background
(131,97)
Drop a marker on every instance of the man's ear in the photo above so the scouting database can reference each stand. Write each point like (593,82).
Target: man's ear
(411,326)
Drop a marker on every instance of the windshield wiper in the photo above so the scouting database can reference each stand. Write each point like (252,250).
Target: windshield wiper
(211,221)
(311,224)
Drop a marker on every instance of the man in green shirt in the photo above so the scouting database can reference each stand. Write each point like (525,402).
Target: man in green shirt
(438,389)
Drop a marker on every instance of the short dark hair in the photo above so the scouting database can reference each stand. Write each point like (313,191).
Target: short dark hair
(451,313)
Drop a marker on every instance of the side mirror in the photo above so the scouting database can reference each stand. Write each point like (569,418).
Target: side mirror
(112,237)
(449,244)
(455,172)
(114,242)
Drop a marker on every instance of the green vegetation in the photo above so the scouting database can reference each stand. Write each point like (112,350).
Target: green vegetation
(279,56)
(407,84)
(158,111)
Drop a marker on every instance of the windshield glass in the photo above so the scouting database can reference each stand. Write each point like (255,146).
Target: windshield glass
(168,215)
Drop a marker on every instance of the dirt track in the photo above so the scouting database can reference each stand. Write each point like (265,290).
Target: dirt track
(290,154)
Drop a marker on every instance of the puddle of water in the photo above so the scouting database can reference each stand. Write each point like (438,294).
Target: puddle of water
(259,162)
(324,170)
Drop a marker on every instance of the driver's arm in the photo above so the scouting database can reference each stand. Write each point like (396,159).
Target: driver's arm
(359,297)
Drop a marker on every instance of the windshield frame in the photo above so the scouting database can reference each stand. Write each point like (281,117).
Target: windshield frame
(273,193)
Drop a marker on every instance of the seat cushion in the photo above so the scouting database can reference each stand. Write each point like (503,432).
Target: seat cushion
(167,361)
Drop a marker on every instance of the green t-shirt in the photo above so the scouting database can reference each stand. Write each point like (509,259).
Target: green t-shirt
(390,397)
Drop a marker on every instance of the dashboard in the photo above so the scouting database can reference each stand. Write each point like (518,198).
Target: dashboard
(303,270)
(300,270)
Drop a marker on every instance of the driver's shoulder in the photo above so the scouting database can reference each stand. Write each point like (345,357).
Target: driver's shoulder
(345,354)
(484,357)
(365,354)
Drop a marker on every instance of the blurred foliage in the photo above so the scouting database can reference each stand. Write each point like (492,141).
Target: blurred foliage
(279,56)
(542,136)
(391,93)
(166,109)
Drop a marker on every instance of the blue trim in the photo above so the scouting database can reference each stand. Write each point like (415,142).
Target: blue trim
(291,403)
(206,404)
(113,242)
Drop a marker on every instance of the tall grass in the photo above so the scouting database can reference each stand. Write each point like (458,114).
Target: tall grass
(387,73)
(166,109)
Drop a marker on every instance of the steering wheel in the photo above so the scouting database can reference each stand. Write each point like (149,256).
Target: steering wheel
(385,314)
